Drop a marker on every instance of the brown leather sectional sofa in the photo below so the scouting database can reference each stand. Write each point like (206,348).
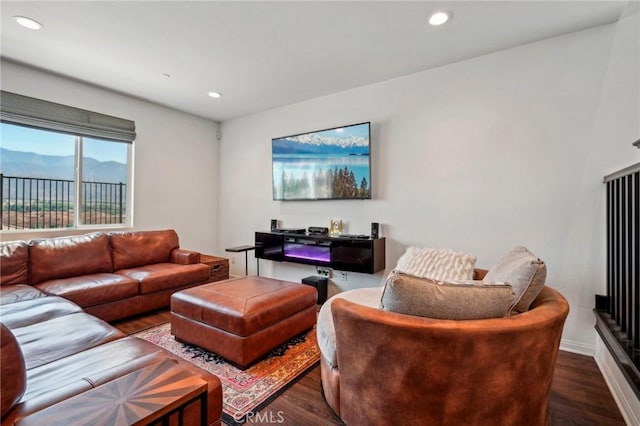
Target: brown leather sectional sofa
(111,276)
(54,349)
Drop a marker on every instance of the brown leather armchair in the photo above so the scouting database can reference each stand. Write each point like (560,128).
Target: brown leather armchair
(399,369)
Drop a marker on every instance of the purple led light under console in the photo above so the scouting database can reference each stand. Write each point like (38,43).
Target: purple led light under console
(300,251)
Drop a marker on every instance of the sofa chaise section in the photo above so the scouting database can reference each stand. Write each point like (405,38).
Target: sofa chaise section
(52,351)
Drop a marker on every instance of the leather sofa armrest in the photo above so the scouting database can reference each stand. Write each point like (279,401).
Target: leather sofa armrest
(13,372)
(184,257)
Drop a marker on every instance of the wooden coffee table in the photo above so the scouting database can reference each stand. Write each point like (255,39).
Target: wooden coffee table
(142,397)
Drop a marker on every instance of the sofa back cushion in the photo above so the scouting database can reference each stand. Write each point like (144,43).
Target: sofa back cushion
(133,249)
(455,300)
(13,374)
(524,271)
(14,261)
(64,257)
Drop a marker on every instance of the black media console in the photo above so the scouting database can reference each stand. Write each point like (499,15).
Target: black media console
(344,253)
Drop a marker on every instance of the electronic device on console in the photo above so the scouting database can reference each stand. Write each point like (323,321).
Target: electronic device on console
(356,236)
(291,230)
(318,230)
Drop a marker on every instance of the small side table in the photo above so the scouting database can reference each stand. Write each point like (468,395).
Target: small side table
(245,249)
(142,397)
(218,267)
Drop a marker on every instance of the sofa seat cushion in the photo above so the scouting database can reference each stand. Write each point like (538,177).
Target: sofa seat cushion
(326,331)
(139,248)
(164,276)
(14,258)
(63,257)
(60,337)
(92,289)
(18,293)
(28,312)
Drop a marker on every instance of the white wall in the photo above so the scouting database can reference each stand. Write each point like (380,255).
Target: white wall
(480,156)
(176,156)
(617,123)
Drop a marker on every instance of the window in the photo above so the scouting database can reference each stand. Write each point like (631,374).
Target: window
(104,181)
(40,184)
(63,167)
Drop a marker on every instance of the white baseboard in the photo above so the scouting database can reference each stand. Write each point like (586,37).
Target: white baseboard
(625,397)
(577,347)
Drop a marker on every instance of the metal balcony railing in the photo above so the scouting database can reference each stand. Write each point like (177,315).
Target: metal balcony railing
(618,312)
(41,203)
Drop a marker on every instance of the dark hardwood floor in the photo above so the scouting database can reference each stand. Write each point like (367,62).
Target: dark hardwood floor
(579,394)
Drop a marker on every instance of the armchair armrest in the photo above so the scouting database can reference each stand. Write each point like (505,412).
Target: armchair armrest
(184,257)
(462,371)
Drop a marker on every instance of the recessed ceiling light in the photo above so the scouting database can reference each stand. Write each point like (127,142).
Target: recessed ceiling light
(215,94)
(440,18)
(28,22)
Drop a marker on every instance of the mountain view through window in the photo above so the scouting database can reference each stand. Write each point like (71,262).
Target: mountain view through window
(57,180)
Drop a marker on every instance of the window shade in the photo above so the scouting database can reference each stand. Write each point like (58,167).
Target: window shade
(32,112)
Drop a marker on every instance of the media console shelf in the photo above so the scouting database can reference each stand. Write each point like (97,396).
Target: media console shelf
(364,255)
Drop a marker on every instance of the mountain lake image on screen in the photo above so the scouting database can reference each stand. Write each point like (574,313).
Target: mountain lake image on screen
(331,164)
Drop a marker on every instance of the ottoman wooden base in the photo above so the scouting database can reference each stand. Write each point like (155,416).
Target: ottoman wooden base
(242,319)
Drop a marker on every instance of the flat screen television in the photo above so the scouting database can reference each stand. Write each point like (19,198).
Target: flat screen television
(331,164)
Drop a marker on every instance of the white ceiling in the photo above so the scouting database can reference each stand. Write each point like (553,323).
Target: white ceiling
(262,55)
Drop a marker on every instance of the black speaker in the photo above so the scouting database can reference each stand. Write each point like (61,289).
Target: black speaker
(274,224)
(320,283)
(375,230)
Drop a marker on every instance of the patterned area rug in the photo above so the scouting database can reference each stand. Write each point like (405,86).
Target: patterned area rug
(250,390)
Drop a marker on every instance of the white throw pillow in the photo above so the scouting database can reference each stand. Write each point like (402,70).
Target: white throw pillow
(437,264)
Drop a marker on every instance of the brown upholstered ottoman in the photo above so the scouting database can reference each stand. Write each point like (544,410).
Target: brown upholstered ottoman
(242,319)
